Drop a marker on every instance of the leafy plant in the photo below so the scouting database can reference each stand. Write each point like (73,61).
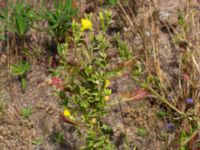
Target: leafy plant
(85,93)
(182,19)
(161,114)
(122,48)
(62,50)
(142,132)
(183,138)
(21,18)
(26,112)
(102,42)
(96,141)
(105,20)
(59,137)
(16,18)
(20,70)
(112,2)
(59,18)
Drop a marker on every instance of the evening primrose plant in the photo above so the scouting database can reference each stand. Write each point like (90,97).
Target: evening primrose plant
(79,28)
(86,86)
(79,31)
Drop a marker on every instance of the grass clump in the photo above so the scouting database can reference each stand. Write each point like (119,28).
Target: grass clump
(59,18)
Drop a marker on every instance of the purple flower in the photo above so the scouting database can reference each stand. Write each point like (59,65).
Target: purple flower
(170,127)
(189,100)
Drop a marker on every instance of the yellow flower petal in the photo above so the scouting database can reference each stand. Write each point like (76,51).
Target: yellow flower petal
(86,24)
(94,120)
(107,98)
(67,113)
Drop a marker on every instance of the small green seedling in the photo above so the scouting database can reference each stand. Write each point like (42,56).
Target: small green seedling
(37,142)
(20,70)
(142,132)
(26,112)
(161,114)
(182,19)
(58,138)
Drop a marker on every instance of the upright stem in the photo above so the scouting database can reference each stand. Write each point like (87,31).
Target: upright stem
(163,100)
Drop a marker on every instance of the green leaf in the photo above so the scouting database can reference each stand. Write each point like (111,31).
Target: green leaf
(59,18)
(20,70)
(37,142)
(23,82)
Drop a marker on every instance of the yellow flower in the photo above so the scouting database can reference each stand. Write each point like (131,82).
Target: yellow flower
(94,120)
(67,113)
(107,83)
(86,24)
(107,98)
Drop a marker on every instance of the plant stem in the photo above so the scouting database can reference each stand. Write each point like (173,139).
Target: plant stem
(190,138)
(163,100)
